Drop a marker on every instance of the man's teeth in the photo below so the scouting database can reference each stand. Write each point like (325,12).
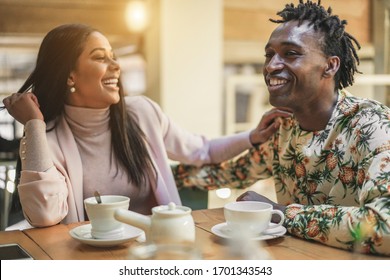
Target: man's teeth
(110,81)
(276,82)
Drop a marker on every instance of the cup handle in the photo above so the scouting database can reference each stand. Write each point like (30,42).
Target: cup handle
(281,215)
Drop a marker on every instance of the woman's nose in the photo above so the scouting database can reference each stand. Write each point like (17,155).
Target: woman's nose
(114,64)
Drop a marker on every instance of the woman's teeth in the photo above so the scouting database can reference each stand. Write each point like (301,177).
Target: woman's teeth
(111,82)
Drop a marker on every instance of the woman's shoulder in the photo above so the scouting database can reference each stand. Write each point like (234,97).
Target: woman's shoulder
(142,105)
(138,102)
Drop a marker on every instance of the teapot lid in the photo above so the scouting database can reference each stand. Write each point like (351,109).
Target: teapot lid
(171,208)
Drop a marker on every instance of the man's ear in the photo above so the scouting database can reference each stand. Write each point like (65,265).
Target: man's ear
(333,65)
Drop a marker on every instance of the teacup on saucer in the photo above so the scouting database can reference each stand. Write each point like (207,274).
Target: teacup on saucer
(249,217)
(101,215)
(274,231)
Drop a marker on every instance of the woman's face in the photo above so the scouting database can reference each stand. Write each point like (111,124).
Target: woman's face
(95,76)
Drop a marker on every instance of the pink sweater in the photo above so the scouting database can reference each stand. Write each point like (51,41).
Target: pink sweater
(55,194)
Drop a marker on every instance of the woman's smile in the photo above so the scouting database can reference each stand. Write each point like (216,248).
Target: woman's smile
(111,83)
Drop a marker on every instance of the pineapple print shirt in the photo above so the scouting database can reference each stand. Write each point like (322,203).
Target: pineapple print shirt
(335,182)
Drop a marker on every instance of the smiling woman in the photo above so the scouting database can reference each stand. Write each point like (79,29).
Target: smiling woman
(85,93)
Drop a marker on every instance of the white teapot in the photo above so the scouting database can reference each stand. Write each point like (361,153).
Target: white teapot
(168,223)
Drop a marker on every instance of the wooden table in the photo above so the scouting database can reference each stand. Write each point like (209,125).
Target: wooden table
(23,240)
(283,248)
(56,243)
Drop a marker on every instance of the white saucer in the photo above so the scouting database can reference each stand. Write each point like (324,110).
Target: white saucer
(274,231)
(83,234)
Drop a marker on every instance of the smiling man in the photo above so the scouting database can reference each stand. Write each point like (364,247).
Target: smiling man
(330,160)
(299,75)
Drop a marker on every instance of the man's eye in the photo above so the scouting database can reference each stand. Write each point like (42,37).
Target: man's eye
(291,53)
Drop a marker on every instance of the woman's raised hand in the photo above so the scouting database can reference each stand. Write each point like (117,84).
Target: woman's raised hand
(23,107)
(268,125)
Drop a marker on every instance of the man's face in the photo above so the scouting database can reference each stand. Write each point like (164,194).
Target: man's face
(294,66)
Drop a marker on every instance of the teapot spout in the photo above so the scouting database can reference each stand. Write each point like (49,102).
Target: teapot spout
(134,219)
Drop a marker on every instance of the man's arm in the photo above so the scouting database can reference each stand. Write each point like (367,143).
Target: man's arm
(241,172)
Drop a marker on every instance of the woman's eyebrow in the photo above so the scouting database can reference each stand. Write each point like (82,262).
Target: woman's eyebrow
(98,49)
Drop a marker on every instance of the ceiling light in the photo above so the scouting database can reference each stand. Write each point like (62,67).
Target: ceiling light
(136,16)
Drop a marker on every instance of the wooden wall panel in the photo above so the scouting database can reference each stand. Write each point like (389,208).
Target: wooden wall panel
(248,20)
(29,17)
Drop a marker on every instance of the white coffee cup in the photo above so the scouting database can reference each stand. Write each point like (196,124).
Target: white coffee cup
(101,215)
(250,217)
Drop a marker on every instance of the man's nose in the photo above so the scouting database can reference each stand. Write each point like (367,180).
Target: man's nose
(274,64)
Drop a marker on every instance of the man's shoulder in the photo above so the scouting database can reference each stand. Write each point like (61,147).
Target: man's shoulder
(364,119)
(364,103)
(351,106)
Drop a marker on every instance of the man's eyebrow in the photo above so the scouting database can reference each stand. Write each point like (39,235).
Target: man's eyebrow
(285,43)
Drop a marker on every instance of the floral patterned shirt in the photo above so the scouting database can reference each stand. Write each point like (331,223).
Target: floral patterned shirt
(335,182)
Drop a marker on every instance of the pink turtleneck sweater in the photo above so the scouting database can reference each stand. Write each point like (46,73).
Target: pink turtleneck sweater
(92,133)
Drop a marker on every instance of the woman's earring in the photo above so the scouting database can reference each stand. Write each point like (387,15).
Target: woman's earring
(72,89)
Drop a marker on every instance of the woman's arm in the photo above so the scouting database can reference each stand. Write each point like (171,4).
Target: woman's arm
(42,189)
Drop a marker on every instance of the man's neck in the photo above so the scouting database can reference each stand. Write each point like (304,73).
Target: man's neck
(317,117)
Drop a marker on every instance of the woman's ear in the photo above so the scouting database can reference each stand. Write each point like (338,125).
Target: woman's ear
(70,81)
(333,65)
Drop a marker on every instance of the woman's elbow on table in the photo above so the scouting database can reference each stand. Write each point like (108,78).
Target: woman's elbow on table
(42,221)
(44,204)
(45,214)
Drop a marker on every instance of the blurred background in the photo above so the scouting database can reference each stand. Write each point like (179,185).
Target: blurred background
(199,59)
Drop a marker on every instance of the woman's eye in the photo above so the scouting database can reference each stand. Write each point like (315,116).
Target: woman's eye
(99,56)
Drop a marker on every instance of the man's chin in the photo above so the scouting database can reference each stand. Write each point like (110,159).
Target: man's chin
(279,101)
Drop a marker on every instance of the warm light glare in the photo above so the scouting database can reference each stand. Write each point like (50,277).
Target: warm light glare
(223,193)
(11,173)
(10,186)
(136,16)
